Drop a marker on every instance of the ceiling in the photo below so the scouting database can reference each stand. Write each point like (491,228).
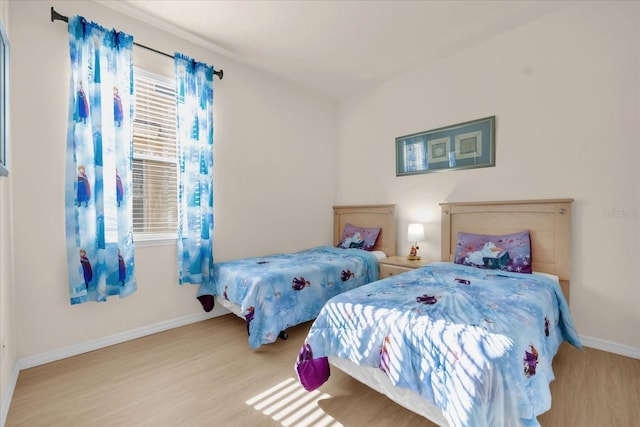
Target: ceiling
(336,47)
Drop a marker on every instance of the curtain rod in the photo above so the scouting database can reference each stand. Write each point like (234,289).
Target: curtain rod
(55,16)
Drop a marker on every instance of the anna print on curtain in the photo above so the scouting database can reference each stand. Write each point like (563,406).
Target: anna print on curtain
(194,87)
(99,226)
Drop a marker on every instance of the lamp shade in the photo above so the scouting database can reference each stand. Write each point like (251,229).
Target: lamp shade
(415,233)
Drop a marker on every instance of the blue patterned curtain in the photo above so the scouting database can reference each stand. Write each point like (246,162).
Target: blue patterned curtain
(194,87)
(100,252)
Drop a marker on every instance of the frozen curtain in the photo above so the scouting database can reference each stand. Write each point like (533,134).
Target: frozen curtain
(99,230)
(194,87)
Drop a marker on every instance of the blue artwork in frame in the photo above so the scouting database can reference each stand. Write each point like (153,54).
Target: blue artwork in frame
(4,99)
(462,146)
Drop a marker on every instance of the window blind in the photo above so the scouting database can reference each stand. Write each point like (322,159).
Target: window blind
(155,182)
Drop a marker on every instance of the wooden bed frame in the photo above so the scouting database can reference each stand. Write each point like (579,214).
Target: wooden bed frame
(383,216)
(549,224)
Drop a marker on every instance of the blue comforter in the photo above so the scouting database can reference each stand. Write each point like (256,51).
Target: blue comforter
(476,343)
(279,291)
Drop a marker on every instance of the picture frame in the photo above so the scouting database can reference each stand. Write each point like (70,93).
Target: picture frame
(465,145)
(4,100)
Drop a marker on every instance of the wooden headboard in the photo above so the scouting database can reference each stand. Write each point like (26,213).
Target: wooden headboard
(383,216)
(548,222)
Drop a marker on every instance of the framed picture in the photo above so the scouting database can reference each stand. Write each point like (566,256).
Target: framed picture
(438,150)
(462,146)
(4,100)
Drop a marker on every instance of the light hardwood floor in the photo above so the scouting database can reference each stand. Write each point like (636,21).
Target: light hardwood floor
(205,374)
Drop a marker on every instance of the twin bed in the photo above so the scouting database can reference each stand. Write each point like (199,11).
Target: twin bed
(467,341)
(458,342)
(274,292)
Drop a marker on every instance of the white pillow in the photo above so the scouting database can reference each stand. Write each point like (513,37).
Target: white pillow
(550,276)
(379,254)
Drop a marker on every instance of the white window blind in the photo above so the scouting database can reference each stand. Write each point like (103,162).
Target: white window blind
(155,184)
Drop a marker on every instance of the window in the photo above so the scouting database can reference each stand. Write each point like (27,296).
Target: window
(4,100)
(155,174)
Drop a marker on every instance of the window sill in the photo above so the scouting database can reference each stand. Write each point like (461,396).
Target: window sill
(148,241)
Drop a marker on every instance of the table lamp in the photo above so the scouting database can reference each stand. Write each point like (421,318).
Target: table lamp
(415,234)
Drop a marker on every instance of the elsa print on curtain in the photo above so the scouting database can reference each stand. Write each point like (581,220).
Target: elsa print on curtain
(194,87)
(98,209)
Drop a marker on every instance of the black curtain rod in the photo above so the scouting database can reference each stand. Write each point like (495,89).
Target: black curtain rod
(55,16)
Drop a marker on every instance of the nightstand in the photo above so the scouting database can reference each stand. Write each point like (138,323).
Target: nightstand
(400,264)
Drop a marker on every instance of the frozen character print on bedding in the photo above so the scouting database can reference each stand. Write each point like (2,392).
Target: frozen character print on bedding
(355,241)
(477,344)
(346,275)
(509,252)
(530,361)
(300,283)
(489,256)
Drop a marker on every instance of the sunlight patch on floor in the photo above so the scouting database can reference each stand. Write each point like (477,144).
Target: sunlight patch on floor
(290,404)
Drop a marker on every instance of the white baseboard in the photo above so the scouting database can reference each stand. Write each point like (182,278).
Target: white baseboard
(7,395)
(611,347)
(74,350)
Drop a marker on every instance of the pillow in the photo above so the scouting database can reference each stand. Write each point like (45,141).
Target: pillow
(359,237)
(379,255)
(510,252)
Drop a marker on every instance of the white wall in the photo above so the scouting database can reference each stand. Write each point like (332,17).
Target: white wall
(565,91)
(273,144)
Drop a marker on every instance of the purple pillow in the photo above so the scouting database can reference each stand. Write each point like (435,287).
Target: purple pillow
(510,252)
(359,237)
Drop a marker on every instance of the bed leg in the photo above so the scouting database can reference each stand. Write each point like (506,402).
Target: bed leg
(283,335)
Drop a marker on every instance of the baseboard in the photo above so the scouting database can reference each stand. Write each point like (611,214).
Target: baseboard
(74,350)
(7,395)
(611,347)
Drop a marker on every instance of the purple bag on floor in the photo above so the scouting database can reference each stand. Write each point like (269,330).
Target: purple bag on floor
(312,373)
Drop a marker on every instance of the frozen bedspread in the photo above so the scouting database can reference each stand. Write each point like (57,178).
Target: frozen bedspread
(473,342)
(279,291)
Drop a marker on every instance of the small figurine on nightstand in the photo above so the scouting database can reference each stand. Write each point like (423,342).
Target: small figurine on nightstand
(413,254)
